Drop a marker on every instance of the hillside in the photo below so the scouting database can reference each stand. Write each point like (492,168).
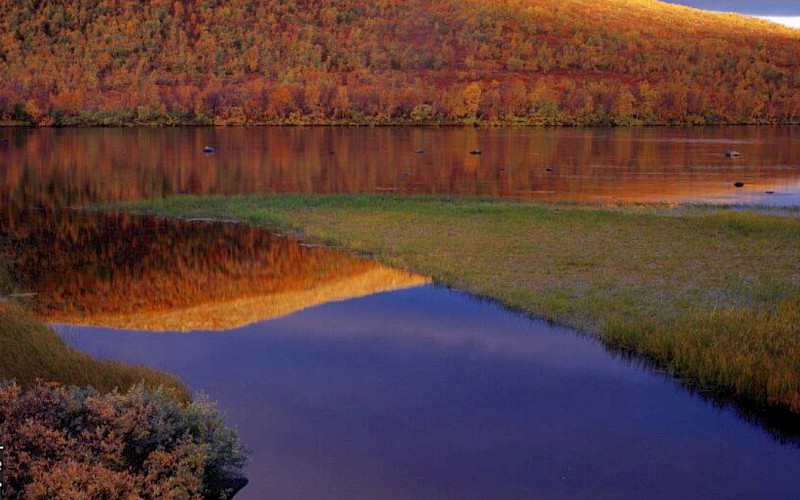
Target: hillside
(391,61)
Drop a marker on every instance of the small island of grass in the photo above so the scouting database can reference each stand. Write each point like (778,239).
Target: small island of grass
(710,295)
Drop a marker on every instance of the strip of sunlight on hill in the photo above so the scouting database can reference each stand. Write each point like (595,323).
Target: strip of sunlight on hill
(791,21)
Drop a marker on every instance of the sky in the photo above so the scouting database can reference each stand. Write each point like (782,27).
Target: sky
(782,11)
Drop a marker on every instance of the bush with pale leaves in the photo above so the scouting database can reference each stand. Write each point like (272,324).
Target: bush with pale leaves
(67,442)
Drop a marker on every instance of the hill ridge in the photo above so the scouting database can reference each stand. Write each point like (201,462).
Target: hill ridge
(521,62)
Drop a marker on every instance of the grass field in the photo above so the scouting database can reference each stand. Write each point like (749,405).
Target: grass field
(712,296)
(30,350)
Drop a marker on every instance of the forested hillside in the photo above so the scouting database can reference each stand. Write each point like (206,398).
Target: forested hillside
(581,62)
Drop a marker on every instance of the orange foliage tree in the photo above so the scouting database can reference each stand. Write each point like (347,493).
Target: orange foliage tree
(616,62)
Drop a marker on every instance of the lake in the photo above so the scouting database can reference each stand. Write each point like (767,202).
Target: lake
(640,164)
(430,393)
(348,379)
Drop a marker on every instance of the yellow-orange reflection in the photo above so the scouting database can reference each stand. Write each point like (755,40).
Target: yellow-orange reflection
(159,274)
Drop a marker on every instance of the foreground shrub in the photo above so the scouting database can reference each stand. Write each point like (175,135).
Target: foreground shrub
(67,442)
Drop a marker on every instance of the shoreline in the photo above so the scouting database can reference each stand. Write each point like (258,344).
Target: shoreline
(621,331)
(489,125)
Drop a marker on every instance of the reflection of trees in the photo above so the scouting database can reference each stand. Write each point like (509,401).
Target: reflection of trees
(71,167)
(92,264)
(83,263)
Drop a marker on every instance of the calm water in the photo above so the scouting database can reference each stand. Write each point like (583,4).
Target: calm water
(374,386)
(428,393)
(160,274)
(78,166)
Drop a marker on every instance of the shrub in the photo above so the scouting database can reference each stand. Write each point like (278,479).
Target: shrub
(515,64)
(68,442)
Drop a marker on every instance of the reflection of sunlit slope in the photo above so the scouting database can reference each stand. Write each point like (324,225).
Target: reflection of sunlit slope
(159,274)
(228,314)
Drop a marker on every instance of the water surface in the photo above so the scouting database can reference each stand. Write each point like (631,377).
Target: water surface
(415,393)
(79,166)
(153,273)
(428,393)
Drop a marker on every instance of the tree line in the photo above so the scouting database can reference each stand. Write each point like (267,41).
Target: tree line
(526,62)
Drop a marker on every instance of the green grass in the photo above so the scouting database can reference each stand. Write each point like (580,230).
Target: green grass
(31,351)
(710,295)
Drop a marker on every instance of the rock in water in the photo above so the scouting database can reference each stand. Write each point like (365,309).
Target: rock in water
(226,486)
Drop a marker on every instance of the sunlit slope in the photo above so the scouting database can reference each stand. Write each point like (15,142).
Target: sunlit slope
(652,16)
(385,61)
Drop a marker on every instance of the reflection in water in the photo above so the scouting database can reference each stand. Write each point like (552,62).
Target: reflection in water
(426,393)
(159,274)
(415,394)
(77,166)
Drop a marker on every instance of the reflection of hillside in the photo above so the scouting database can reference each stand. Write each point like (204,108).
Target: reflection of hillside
(81,166)
(233,313)
(135,272)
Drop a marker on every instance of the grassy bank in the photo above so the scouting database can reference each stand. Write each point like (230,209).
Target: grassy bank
(712,296)
(31,350)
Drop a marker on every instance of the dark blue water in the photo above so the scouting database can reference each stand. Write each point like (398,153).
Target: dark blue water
(429,394)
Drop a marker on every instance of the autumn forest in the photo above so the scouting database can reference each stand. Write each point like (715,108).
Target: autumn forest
(486,62)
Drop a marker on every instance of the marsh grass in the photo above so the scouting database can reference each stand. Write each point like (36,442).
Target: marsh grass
(710,295)
(31,351)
